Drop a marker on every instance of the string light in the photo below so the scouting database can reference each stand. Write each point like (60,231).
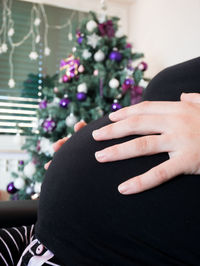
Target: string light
(7,31)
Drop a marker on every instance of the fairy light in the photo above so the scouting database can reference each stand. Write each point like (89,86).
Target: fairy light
(7,31)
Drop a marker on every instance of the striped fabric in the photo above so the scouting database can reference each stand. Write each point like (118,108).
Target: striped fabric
(18,247)
(13,241)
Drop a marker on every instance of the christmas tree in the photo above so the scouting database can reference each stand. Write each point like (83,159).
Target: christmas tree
(98,77)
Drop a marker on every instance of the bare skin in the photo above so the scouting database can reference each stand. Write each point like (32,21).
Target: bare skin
(178,126)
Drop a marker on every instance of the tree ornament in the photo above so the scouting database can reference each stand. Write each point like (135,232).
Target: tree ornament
(143,66)
(37,187)
(107,29)
(19,183)
(29,169)
(86,54)
(11,83)
(128,46)
(96,72)
(11,32)
(82,87)
(70,66)
(91,25)
(93,40)
(115,106)
(37,22)
(115,56)
(143,83)
(21,162)
(29,190)
(114,83)
(35,196)
(128,83)
(80,39)
(11,189)
(73,49)
(81,69)
(64,102)
(43,104)
(138,90)
(71,120)
(46,147)
(65,78)
(81,96)
(4,47)
(47,51)
(49,125)
(33,55)
(99,56)
(55,89)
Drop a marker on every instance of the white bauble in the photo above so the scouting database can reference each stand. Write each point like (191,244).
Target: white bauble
(99,56)
(143,83)
(29,170)
(37,187)
(86,54)
(91,25)
(71,120)
(114,83)
(29,190)
(82,87)
(19,183)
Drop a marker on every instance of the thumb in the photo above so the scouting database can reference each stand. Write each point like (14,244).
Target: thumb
(190,97)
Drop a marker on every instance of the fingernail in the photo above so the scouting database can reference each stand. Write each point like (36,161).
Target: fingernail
(96,134)
(100,156)
(123,188)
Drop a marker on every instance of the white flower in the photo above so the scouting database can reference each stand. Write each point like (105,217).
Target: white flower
(47,51)
(86,54)
(11,83)
(37,22)
(11,32)
(33,55)
(93,40)
(4,47)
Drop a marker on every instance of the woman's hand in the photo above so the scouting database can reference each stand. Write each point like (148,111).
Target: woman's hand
(178,126)
(58,144)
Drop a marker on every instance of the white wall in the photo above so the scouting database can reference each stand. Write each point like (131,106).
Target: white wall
(167,31)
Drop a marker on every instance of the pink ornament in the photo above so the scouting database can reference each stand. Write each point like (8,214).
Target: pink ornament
(65,78)
(55,89)
(143,66)
(129,45)
(81,69)
(96,72)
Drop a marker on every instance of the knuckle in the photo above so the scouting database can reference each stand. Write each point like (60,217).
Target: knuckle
(161,174)
(142,145)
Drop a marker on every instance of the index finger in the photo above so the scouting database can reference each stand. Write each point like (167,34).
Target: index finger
(146,107)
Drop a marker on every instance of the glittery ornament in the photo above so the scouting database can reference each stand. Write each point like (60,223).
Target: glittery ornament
(82,87)
(93,40)
(69,66)
(99,56)
(115,56)
(11,189)
(29,169)
(116,106)
(64,102)
(91,25)
(80,40)
(86,54)
(81,96)
(19,183)
(114,83)
(71,120)
(143,66)
(49,125)
(43,104)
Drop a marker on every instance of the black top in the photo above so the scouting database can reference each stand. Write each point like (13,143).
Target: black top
(84,220)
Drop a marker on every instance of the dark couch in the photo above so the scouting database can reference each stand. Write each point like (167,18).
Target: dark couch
(18,213)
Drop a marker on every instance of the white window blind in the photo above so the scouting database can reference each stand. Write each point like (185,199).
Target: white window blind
(18,105)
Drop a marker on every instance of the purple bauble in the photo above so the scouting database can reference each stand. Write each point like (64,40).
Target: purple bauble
(79,40)
(138,90)
(43,104)
(49,125)
(11,188)
(128,83)
(81,96)
(65,78)
(115,56)
(116,106)
(64,102)
(21,162)
(143,66)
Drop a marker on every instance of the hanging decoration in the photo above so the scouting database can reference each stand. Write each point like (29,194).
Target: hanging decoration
(7,31)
